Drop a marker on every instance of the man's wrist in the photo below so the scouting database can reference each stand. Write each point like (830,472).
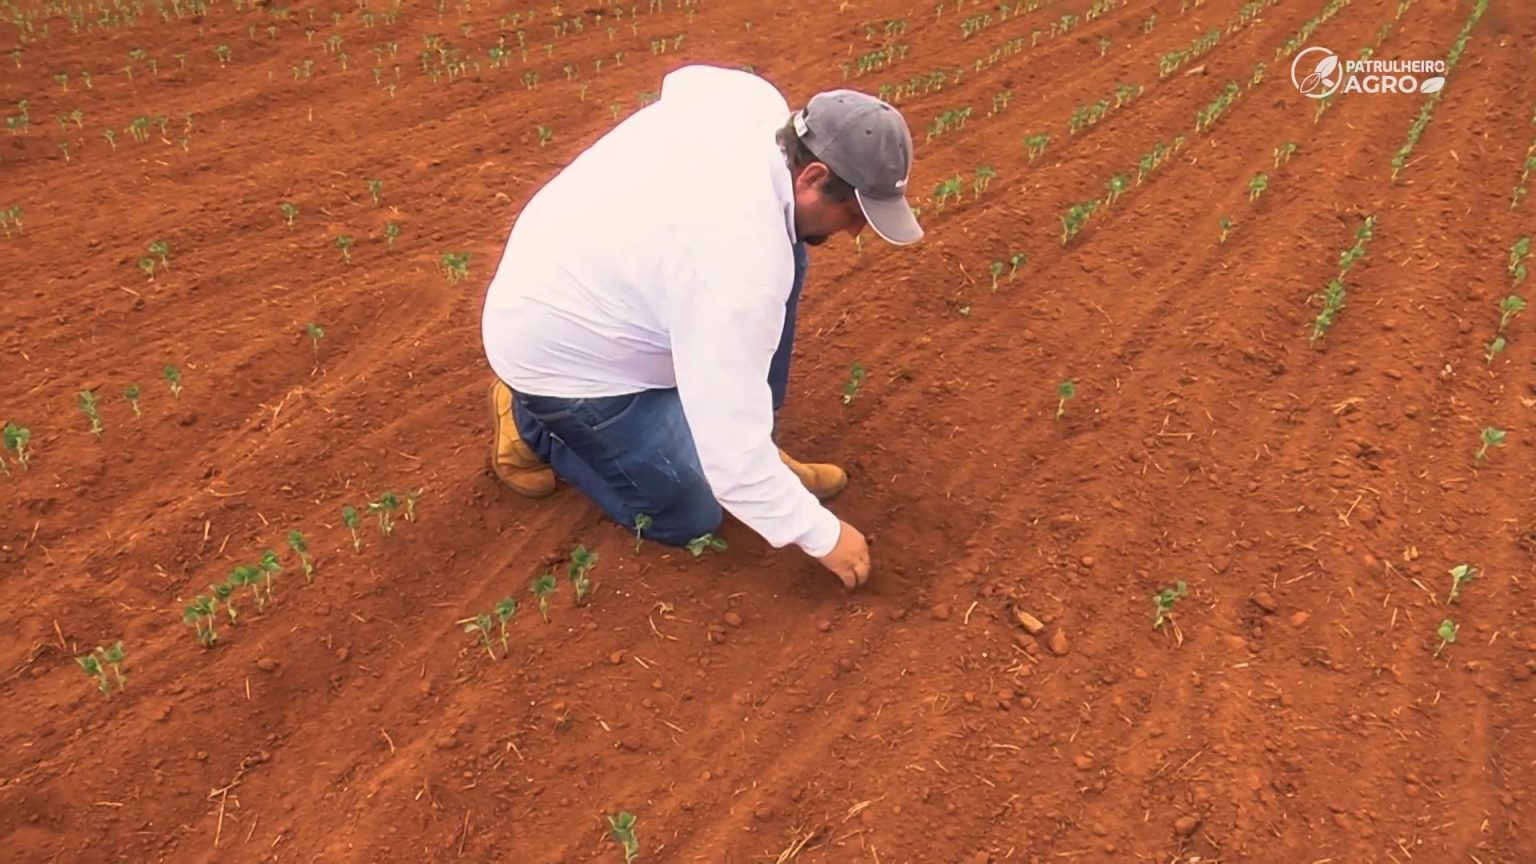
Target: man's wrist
(824,534)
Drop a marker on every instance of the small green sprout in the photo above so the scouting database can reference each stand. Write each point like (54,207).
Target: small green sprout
(1509,307)
(456,265)
(386,505)
(289,212)
(132,395)
(160,249)
(704,543)
(1257,185)
(482,625)
(391,231)
(622,829)
(1064,391)
(349,518)
(172,377)
(269,567)
(544,135)
(1493,349)
(543,587)
(1447,633)
(1461,574)
(1163,601)
(315,333)
(147,264)
(92,663)
(344,243)
(224,592)
(86,400)
(199,613)
(851,386)
(642,522)
(297,544)
(375,188)
(16,438)
(249,576)
(581,563)
(1491,437)
(996,270)
(1225,225)
(1015,262)
(411,497)
(506,607)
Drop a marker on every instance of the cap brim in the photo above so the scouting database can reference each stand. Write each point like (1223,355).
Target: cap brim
(891,218)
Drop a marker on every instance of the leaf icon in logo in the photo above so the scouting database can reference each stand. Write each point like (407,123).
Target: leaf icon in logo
(1432,85)
(1319,79)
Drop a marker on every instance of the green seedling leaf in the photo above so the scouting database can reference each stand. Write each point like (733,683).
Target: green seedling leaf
(297,544)
(1064,391)
(349,518)
(851,386)
(543,587)
(1163,602)
(16,438)
(132,395)
(315,333)
(375,188)
(86,401)
(1461,574)
(172,377)
(1509,307)
(92,667)
(1491,437)
(621,828)
(1447,633)
(704,543)
(506,607)
(387,505)
(223,592)
(482,625)
(289,212)
(582,561)
(642,522)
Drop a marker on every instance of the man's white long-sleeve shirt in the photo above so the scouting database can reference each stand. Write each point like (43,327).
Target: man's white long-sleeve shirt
(661,257)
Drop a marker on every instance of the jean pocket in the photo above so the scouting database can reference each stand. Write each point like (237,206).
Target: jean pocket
(610,411)
(549,409)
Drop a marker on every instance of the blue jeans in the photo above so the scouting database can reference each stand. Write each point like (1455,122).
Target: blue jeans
(634,454)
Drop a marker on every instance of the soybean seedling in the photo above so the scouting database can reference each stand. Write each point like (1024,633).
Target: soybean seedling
(112,657)
(199,613)
(132,395)
(297,544)
(642,522)
(542,588)
(1491,438)
(582,561)
(16,438)
(269,567)
(173,377)
(160,249)
(87,402)
(391,231)
(249,576)
(375,187)
(622,829)
(349,518)
(1509,307)
(1064,391)
(289,212)
(455,265)
(224,592)
(704,543)
(506,607)
(344,243)
(315,333)
(1447,633)
(1163,601)
(1225,225)
(386,505)
(482,625)
(996,270)
(1461,574)
(851,386)
(1015,262)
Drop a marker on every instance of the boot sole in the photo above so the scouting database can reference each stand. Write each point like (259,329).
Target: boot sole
(495,418)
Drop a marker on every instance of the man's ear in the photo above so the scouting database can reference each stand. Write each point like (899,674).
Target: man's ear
(811,176)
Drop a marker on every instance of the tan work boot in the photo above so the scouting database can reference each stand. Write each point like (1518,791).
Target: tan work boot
(822,479)
(512,460)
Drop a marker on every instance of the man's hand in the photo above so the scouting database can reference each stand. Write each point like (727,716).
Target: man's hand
(849,559)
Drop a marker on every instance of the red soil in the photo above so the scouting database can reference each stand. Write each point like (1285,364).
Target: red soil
(743,707)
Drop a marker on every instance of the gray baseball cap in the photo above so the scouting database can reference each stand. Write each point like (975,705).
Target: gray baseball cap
(866,142)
